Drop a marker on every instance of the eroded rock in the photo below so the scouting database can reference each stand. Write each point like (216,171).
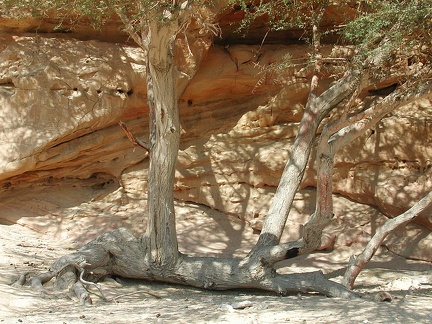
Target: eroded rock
(62,98)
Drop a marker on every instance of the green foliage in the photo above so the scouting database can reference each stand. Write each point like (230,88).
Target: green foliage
(398,21)
(391,30)
(137,11)
(280,15)
(283,14)
(383,33)
(275,71)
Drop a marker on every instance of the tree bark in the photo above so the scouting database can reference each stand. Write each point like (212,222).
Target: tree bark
(357,264)
(345,131)
(340,133)
(348,129)
(155,255)
(120,253)
(161,237)
(315,111)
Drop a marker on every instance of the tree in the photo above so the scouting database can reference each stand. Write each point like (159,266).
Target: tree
(391,40)
(403,30)
(155,256)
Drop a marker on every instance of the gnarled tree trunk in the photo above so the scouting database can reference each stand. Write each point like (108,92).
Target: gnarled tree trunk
(155,255)
(161,237)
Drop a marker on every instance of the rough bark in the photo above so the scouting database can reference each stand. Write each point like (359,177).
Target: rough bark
(161,235)
(316,109)
(155,256)
(120,253)
(336,136)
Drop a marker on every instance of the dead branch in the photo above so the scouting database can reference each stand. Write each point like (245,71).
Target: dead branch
(135,141)
(89,283)
(82,293)
(357,264)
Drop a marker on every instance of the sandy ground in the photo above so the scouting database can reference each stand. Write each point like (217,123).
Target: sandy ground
(203,231)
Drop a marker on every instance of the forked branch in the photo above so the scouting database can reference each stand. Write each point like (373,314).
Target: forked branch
(135,141)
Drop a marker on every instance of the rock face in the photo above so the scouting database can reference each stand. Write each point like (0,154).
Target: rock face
(61,99)
(53,93)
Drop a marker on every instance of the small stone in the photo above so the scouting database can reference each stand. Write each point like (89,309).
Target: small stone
(383,296)
(242,305)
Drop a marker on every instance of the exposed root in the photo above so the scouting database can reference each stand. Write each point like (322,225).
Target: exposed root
(38,281)
(119,253)
(21,280)
(85,282)
(110,254)
(82,293)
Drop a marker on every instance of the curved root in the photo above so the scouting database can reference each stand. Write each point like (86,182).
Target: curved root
(120,253)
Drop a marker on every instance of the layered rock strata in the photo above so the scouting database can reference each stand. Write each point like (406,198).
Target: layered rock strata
(61,99)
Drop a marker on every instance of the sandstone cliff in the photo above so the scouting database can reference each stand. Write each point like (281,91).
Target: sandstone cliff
(63,94)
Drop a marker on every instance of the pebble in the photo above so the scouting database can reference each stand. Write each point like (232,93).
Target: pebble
(383,296)
(242,305)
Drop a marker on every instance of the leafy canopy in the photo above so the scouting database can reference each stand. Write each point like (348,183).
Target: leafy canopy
(392,28)
(138,12)
(381,31)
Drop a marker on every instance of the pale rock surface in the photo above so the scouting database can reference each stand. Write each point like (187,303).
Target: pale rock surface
(53,93)
(62,98)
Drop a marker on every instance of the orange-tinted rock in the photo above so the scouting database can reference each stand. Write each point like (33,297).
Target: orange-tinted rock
(61,99)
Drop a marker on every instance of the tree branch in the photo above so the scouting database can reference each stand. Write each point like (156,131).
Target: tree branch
(356,264)
(273,254)
(135,141)
(129,27)
(347,130)
(291,178)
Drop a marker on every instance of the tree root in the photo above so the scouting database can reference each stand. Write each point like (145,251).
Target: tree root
(119,253)
(88,283)
(82,293)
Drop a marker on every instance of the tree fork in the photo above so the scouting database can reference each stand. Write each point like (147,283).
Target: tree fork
(293,173)
(117,253)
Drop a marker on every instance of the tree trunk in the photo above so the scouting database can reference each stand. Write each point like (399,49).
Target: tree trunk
(161,237)
(336,136)
(155,255)
(316,109)
(120,253)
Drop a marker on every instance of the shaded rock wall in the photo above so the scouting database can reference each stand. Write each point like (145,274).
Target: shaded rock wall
(61,99)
